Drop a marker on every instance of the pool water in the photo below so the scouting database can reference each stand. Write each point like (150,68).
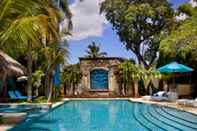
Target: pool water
(18,108)
(111,116)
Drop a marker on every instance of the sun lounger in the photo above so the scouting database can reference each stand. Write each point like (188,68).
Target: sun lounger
(12,95)
(187,102)
(160,96)
(19,95)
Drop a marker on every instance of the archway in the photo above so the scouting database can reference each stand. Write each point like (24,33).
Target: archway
(99,79)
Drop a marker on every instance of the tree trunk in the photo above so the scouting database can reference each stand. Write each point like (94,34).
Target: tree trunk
(50,89)
(124,89)
(49,82)
(73,89)
(136,89)
(29,68)
(46,84)
(37,91)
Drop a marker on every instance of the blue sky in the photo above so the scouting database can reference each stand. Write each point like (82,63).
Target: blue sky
(90,26)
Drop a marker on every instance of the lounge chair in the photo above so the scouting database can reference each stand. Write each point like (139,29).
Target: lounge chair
(160,96)
(19,95)
(14,97)
(187,102)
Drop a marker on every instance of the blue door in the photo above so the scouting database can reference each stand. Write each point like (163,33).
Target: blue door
(99,79)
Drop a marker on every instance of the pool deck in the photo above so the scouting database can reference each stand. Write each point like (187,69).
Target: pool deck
(8,120)
(192,110)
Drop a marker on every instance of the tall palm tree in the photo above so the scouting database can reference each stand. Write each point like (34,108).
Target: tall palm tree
(28,25)
(93,51)
(55,55)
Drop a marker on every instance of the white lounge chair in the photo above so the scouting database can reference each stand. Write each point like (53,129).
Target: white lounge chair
(187,102)
(160,96)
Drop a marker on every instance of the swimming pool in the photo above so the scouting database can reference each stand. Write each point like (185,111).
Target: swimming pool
(18,108)
(111,116)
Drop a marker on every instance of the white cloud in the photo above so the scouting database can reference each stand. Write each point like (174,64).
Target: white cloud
(86,19)
(194,4)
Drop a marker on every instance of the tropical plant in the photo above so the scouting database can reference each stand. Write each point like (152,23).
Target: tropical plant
(125,71)
(148,75)
(129,74)
(140,25)
(71,77)
(93,51)
(26,26)
(36,80)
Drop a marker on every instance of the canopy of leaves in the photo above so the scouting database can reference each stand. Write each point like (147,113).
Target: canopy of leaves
(33,21)
(182,40)
(139,24)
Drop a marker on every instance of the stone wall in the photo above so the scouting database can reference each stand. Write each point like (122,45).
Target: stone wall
(109,64)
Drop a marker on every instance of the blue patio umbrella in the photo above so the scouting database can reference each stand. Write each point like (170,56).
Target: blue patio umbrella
(174,67)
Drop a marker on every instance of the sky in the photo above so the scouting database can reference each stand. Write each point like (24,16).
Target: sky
(89,25)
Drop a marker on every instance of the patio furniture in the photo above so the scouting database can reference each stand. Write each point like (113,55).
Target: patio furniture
(187,102)
(13,96)
(172,96)
(160,96)
(18,94)
(174,68)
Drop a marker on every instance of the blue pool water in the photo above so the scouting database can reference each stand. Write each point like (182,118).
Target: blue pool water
(110,116)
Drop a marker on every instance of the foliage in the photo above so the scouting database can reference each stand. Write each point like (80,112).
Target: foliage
(94,51)
(36,78)
(129,73)
(33,26)
(182,40)
(71,77)
(139,24)
(147,75)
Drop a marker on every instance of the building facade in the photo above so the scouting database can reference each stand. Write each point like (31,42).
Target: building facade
(99,74)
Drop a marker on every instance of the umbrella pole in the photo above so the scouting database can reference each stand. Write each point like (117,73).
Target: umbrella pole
(174,84)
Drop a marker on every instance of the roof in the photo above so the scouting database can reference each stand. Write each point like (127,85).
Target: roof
(11,66)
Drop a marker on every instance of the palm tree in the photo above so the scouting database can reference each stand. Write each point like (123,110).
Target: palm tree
(94,51)
(72,77)
(125,71)
(129,73)
(55,55)
(28,25)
